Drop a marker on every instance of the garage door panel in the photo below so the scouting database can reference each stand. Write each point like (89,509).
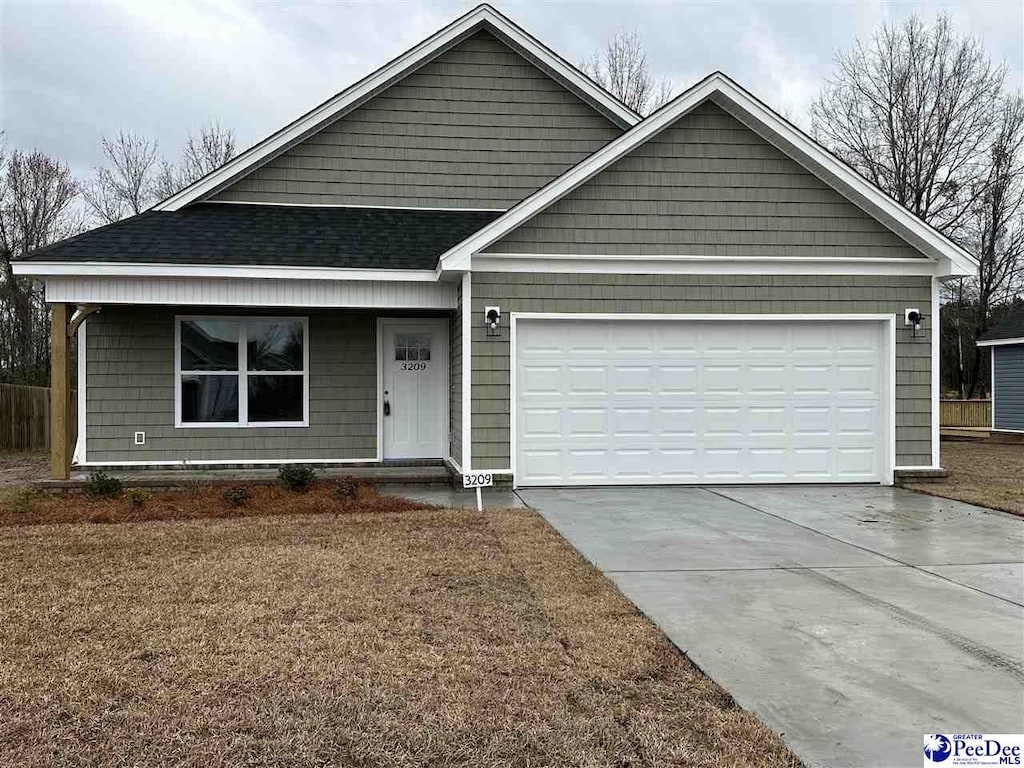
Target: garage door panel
(715,402)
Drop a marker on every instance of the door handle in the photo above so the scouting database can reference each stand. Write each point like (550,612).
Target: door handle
(387,404)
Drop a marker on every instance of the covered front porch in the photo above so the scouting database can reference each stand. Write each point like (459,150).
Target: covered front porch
(203,388)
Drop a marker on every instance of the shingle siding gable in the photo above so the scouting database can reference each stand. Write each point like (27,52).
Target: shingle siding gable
(706,186)
(477,127)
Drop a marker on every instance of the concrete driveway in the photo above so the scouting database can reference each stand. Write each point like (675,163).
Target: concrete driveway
(852,619)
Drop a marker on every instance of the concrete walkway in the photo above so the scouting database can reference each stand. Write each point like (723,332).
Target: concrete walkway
(851,619)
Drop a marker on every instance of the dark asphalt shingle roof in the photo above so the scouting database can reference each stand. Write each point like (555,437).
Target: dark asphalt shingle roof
(1011,328)
(263,235)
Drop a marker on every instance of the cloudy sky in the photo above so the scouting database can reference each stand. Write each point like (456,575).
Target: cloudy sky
(73,71)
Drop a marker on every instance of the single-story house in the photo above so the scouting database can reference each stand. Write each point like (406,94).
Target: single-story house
(477,256)
(1006,341)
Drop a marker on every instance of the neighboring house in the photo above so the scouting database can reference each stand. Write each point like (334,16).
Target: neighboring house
(1007,343)
(475,255)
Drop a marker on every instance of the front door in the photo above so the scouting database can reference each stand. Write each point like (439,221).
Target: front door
(414,380)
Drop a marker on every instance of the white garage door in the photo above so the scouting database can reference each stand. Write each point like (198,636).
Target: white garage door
(721,401)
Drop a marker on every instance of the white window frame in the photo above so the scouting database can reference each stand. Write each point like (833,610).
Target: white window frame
(242,374)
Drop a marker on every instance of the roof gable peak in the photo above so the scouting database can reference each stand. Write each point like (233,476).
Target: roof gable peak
(763,120)
(482,17)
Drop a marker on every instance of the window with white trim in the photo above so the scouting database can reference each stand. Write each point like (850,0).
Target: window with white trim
(242,372)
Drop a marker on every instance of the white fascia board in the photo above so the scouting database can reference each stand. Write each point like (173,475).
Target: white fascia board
(699,265)
(389,74)
(1000,342)
(460,256)
(108,269)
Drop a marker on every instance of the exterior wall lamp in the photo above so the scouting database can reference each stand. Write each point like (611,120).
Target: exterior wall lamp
(913,317)
(492,320)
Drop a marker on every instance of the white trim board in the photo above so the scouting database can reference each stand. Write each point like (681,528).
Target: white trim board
(754,114)
(222,462)
(888,358)
(698,265)
(354,205)
(78,457)
(467,371)
(481,17)
(1000,342)
(251,292)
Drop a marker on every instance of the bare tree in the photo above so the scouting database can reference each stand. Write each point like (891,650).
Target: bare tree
(134,177)
(36,193)
(921,112)
(621,68)
(204,151)
(126,184)
(995,225)
(913,109)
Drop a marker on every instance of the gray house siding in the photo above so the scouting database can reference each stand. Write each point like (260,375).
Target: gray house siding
(477,127)
(130,387)
(697,294)
(1008,378)
(706,186)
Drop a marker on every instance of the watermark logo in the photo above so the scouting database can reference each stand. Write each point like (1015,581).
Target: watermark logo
(975,749)
(937,747)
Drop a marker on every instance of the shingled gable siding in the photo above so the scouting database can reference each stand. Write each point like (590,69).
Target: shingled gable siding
(477,127)
(708,186)
(698,294)
(130,370)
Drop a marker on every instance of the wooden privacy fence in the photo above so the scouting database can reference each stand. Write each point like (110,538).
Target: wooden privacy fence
(25,418)
(965,413)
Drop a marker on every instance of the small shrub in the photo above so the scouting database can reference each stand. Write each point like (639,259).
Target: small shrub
(102,485)
(137,498)
(101,517)
(296,478)
(237,495)
(346,489)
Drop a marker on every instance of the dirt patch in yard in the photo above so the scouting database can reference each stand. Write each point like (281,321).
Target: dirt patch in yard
(983,473)
(17,468)
(434,637)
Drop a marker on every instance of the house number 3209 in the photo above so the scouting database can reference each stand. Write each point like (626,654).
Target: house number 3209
(414,366)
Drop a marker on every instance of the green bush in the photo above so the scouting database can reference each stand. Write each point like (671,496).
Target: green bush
(296,478)
(137,498)
(237,495)
(102,485)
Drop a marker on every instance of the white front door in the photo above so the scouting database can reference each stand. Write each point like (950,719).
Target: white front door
(645,401)
(414,381)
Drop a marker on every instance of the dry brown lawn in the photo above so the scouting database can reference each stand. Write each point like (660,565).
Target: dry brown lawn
(987,474)
(417,638)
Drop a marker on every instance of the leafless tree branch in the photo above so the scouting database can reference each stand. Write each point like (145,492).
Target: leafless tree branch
(621,68)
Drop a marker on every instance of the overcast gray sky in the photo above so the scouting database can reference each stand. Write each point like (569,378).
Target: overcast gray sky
(73,71)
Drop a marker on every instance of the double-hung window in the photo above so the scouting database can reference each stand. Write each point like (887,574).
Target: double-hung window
(242,372)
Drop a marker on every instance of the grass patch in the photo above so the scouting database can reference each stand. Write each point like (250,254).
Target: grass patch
(426,637)
(19,507)
(986,474)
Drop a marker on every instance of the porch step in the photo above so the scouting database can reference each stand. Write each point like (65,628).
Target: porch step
(183,478)
(921,475)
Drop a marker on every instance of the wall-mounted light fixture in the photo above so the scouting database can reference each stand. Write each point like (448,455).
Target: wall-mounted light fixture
(492,320)
(913,317)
